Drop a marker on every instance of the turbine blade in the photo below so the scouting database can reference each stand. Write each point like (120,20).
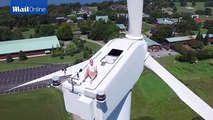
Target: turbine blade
(59,73)
(184,93)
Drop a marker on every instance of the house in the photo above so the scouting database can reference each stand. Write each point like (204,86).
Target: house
(31,47)
(199,20)
(86,10)
(166,21)
(152,45)
(195,16)
(167,10)
(192,15)
(60,19)
(105,18)
(118,7)
(187,40)
(146,15)
(122,28)
(80,19)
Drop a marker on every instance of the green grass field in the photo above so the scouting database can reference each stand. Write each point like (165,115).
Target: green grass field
(153,99)
(38,61)
(199,6)
(146,27)
(43,104)
(202,31)
(27,34)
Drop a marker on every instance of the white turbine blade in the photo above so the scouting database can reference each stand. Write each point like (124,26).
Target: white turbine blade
(59,73)
(44,78)
(184,93)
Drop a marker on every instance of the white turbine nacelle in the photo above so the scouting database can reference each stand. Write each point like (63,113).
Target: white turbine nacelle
(119,67)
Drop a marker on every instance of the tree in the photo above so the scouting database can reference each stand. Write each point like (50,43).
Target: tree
(186,25)
(44,30)
(9,58)
(5,34)
(183,3)
(206,39)
(85,26)
(209,4)
(85,16)
(65,32)
(71,48)
(193,3)
(208,11)
(199,36)
(175,9)
(208,24)
(163,32)
(102,30)
(22,56)
(17,34)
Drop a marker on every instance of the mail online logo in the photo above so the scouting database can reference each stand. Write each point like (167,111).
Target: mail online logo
(28,7)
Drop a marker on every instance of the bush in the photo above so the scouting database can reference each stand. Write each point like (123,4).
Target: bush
(22,56)
(190,56)
(211,63)
(197,45)
(179,48)
(9,58)
(61,43)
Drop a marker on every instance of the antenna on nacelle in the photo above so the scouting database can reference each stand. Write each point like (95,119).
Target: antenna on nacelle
(135,12)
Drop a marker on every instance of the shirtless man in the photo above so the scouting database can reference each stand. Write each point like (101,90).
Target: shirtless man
(91,71)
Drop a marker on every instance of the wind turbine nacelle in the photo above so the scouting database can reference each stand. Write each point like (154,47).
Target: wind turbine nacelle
(119,64)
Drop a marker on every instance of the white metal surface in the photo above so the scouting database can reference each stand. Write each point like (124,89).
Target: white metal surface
(115,78)
(184,93)
(126,108)
(59,73)
(135,12)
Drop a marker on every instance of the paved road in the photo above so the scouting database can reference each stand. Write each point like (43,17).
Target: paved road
(84,37)
(163,53)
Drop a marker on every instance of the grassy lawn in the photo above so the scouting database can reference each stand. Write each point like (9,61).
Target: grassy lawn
(146,27)
(93,8)
(75,27)
(199,6)
(28,33)
(94,47)
(202,31)
(153,99)
(44,104)
(38,61)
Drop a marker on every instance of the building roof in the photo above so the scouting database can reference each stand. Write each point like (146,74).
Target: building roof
(165,21)
(121,26)
(60,18)
(199,20)
(150,42)
(33,44)
(80,18)
(185,38)
(105,18)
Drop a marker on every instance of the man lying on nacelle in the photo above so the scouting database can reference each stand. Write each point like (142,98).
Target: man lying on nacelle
(91,71)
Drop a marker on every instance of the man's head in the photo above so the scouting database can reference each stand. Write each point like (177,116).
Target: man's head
(91,62)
